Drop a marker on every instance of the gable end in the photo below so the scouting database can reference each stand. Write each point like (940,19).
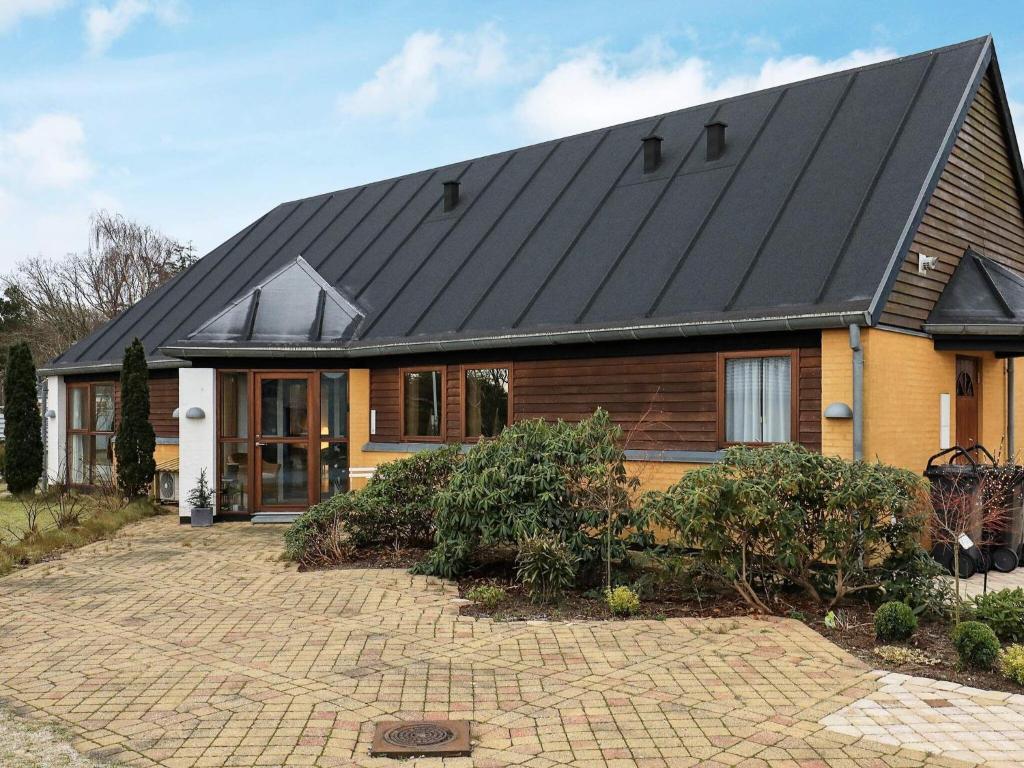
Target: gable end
(976,204)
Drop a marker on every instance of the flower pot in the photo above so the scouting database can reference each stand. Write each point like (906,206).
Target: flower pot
(202,517)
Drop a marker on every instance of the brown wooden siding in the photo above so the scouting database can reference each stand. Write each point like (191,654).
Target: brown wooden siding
(663,402)
(976,203)
(163,399)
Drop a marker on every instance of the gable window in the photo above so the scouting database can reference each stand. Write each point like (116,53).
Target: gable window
(757,394)
(422,403)
(485,399)
(90,452)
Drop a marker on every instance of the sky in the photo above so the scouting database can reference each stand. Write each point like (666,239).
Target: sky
(197,117)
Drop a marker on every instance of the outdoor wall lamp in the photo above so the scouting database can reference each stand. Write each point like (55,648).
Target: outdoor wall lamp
(838,411)
(51,414)
(175,413)
(195,413)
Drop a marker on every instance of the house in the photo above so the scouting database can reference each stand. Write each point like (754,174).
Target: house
(838,262)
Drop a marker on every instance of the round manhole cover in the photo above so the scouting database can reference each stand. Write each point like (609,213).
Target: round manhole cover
(419,735)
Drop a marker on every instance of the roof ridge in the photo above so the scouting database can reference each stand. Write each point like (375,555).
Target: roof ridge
(647,118)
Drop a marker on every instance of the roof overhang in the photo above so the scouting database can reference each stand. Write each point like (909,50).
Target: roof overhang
(633,332)
(81,368)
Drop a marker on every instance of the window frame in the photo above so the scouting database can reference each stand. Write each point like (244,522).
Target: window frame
(442,416)
(248,441)
(89,431)
(462,395)
(322,439)
(794,389)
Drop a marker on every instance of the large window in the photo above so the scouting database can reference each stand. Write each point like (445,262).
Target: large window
(333,433)
(233,428)
(422,404)
(90,456)
(757,397)
(485,401)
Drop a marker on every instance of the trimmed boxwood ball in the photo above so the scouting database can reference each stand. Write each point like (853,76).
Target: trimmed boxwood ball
(894,621)
(976,644)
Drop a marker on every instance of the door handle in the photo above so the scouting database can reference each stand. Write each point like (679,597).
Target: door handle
(259,444)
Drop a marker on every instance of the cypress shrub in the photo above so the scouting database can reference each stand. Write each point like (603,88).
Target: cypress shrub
(23,454)
(136,440)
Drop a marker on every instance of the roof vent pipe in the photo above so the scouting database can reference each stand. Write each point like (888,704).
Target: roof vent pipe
(451,195)
(652,152)
(716,139)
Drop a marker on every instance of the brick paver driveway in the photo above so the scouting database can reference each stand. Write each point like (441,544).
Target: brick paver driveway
(175,647)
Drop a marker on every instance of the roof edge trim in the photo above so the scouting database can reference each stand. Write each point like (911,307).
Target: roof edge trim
(153,365)
(801,322)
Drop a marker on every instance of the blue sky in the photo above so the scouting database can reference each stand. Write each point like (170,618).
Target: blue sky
(197,117)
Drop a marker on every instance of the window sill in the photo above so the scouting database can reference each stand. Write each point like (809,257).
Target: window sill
(667,456)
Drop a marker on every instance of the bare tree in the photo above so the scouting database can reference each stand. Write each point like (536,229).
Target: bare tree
(67,298)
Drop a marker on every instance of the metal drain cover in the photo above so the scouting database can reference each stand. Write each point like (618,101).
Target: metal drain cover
(421,738)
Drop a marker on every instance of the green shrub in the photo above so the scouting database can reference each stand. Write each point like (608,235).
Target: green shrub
(395,509)
(914,577)
(546,567)
(622,601)
(136,440)
(976,644)
(894,621)
(784,514)
(487,595)
(3,450)
(564,479)
(23,457)
(1003,611)
(1011,663)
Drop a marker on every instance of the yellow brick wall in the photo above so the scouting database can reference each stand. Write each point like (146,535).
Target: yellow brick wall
(165,453)
(903,378)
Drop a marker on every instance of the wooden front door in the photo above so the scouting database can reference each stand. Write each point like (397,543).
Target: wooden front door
(284,465)
(968,400)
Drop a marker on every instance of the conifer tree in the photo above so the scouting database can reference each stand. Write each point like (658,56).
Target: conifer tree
(136,440)
(23,452)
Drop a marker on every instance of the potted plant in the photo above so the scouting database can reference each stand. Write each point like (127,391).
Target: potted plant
(201,500)
(232,495)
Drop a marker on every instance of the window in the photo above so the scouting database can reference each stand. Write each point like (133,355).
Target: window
(422,403)
(333,433)
(757,397)
(233,426)
(90,452)
(485,401)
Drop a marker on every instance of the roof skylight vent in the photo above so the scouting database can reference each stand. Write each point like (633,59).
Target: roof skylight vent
(652,152)
(716,139)
(451,196)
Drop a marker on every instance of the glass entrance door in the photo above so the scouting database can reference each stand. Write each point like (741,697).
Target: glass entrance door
(282,458)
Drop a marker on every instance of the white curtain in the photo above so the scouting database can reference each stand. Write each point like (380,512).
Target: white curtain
(757,399)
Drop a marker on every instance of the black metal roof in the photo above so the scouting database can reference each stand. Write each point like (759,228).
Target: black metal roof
(801,222)
(981,298)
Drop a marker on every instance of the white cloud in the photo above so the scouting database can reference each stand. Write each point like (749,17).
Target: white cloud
(49,152)
(13,11)
(105,24)
(411,81)
(593,88)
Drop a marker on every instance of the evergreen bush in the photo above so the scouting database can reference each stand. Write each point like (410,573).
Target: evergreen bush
(23,438)
(894,621)
(976,644)
(136,440)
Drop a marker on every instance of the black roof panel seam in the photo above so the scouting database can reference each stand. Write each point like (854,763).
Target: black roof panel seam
(533,230)
(359,222)
(633,155)
(451,228)
(714,206)
(483,238)
(873,184)
(427,178)
(792,191)
(668,181)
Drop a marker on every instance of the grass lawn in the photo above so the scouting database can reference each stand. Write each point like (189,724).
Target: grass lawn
(12,517)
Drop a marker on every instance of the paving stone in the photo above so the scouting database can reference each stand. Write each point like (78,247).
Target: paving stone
(173,647)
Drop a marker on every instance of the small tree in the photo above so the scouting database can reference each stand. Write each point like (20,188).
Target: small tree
(23,455)
(136,439)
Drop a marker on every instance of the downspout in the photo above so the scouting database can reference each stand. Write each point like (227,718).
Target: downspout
(1011,417)
(858,393)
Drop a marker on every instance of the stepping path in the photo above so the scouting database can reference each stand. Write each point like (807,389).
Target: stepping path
(176,647)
